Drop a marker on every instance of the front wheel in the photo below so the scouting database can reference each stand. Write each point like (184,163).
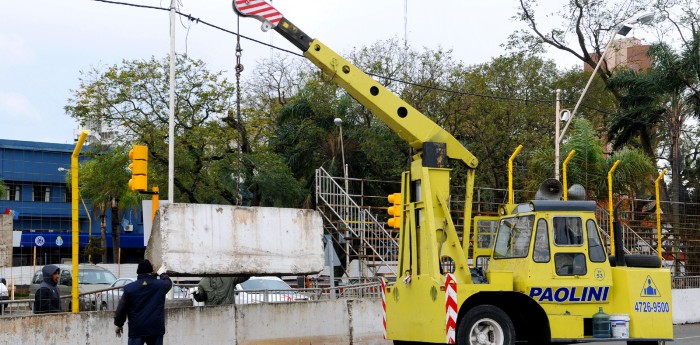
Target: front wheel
(486,325)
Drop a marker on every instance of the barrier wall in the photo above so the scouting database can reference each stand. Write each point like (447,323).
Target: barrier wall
(331,322)
(686,306)
(319,322)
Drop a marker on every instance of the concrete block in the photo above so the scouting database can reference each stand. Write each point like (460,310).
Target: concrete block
(209,240)
(312,323)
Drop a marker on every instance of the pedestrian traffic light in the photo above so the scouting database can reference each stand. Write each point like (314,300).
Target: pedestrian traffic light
(139,168)
(394,210)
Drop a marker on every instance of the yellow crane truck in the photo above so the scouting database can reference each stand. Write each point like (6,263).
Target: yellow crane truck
(548,270)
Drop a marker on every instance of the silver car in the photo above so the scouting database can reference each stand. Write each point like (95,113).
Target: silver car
(109,299)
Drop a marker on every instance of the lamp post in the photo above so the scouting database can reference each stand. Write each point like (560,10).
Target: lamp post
(339,122)
(622,29)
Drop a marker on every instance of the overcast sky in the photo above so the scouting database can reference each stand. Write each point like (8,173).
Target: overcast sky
(44,44)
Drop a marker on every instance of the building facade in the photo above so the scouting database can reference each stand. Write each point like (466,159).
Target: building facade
(39,201)
(627,52)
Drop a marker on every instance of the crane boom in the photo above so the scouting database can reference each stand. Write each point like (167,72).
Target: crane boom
(412,126)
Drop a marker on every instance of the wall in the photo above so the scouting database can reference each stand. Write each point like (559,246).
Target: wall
(319,322)
(686,306)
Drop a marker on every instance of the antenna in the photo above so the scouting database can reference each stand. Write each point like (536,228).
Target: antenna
(405,23)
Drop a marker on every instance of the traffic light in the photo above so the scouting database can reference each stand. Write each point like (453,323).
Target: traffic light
(139,168)
(395,210)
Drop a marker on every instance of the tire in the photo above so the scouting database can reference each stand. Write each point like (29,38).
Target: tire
(103,306)
(485,325)
(641,260)
(642,342)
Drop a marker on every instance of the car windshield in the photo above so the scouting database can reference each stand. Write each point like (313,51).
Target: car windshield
(264,284)
(88,276)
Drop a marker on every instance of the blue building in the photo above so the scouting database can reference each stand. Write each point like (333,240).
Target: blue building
(40,201)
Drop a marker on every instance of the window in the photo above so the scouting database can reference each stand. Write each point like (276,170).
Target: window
(541,251)
(595,247)
(568,231)
(13,192)
(513,239)
(570,264)
(68,193)
(41,193)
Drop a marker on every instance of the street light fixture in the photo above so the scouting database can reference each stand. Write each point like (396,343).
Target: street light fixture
(622,29)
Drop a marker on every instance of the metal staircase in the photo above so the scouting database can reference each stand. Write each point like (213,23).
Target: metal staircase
(355,231)
(631,241)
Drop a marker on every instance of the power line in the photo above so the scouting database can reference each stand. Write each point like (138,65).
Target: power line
(198,20)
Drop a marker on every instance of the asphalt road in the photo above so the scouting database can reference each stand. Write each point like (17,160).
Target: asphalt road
(682,335)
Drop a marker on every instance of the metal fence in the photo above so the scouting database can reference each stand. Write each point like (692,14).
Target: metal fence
(680,221)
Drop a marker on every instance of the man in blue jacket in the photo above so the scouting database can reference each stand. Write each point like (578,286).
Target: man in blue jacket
(143,303)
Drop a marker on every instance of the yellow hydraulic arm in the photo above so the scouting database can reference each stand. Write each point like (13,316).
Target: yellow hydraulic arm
(428,210)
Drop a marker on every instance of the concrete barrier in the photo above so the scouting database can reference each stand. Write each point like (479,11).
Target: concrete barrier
(201,240)
(320,322)
(331,322)
(686,306)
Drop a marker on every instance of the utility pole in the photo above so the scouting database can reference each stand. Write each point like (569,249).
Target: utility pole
(171,117)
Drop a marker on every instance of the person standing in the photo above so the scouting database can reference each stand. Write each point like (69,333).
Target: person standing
(47,298)
(143,303)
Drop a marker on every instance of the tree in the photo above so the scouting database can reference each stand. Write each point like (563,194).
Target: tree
(133,97)
(589,166)
(104,181)
(661,100)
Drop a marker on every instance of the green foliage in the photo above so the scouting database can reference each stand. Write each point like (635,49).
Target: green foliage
(133,97)
(589,166)
(93,249)
(276,183)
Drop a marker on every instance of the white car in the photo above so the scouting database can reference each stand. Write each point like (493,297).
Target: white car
(4,295)
(110,299)
(266,290)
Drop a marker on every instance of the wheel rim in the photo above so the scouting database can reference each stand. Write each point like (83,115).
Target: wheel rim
(486,332)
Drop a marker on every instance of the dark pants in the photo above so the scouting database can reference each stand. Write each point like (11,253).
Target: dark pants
(152,340)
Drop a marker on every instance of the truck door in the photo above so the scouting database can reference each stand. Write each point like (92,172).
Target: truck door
(482,242)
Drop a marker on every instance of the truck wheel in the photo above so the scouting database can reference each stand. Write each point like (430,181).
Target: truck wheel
(644,342)
(485,325)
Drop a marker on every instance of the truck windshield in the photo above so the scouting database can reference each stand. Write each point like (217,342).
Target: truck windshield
(513,239)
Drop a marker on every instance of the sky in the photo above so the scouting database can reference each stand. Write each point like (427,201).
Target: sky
(45,44)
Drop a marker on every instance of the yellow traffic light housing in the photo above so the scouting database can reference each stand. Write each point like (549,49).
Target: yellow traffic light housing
(139,168)
(395,210)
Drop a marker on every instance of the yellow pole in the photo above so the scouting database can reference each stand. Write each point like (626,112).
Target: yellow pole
(658,213)
(34,260)
(154,202)
(566,161)
(610,206)
(75,241)
(510,173)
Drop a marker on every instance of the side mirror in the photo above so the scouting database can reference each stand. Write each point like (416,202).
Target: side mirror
(67,281)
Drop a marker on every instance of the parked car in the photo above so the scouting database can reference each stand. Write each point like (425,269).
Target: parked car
(108,300)
(266,290)
(91,278)
(4,295)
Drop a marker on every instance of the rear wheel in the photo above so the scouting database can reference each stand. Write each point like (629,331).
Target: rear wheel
(103,306)
(645,342)
(486,325)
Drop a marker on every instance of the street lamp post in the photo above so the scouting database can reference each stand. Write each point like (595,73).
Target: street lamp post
(339,122)
(622,29)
